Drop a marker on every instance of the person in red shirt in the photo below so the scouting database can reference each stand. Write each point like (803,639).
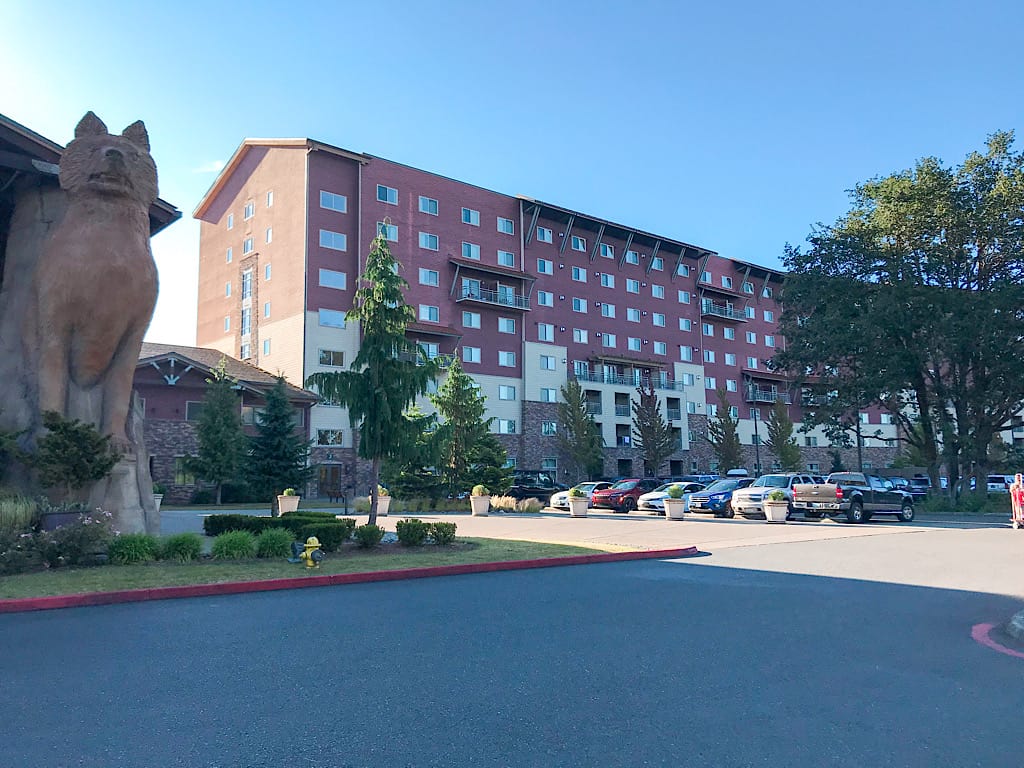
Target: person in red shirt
(1017,500)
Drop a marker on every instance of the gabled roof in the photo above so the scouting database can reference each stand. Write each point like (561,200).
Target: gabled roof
(207,359)
(25,151)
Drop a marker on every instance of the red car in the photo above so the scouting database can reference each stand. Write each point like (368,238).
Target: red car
(622,497)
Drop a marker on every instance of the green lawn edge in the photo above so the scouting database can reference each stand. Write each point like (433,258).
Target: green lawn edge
(109,578)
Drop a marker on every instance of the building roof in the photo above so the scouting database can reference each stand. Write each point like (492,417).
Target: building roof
(207,359)
(25,151)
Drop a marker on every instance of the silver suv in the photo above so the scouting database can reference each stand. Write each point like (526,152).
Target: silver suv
(748,501)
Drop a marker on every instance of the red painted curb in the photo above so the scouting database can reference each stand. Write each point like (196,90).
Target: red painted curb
(980,634)
(18,605)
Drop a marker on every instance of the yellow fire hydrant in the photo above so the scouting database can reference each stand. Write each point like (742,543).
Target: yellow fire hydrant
(312,555)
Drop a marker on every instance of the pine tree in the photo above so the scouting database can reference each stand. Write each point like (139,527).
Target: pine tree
(488,465)
(461,407)
(71,454)
(652,435)
(780,438)
(389,371)
(722,434)
(579,438)
(222,443)
(279,454)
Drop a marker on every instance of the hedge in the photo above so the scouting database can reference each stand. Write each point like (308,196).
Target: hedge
(215,525)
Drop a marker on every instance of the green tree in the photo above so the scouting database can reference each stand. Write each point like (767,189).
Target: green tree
(780,438)
(388,372)
(279,454)
(72,454)
(461,406)
(723,435)
(488,465)
(652,435)
(222,443)
(414,473)
(578,436)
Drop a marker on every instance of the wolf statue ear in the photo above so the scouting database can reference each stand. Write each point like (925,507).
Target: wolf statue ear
(136,133)
(90,125)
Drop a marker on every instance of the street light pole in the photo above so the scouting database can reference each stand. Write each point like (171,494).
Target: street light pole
(757,443)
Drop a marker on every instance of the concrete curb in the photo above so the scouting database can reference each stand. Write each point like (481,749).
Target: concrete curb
(1015,626)
(18,605)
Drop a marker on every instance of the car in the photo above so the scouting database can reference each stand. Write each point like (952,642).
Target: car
(528,484)
(749,501)
(561,499)
(999,483)
(920,485)
(622,497)
(717,497)
(654,501)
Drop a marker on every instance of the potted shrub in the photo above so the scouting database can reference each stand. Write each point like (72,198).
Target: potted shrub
(480,500)
(383,500)
(776,507)
(675,504)
(158,495)
(578,502)
(287,501)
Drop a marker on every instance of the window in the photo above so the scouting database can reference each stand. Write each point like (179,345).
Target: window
(769,316)
(579,243)
(709,355)
(734,411)
(333,202)
(246,286)
(471,251)
(691,407)
(886,418)
(231,221)
(580,335)
(545,267)
(266,272)
(683,270)
(607,310)
(507,359)
(547,362)
(730,358)
(227,290)
(769,341)
(250,210)
(334,358)
(507,226)
(548,428)
(705,277)
(685,324)
(332,318)
(430,349)
(579,274)
(270,234)
(270,199)
(608,340)
(336,241)
(388,231)
(755,413)
(247,246)
(658,291)
(751,337)
(632,257)
(387,194)
(543,235)
(266,309)
(428,241)
(579,305)
(430,313)
(683,296)
(632,286)
(748,287)
(470,319)
(658,319)
(726,282)
(710,383)
(429,277)
(607,281)
(332,279)
(688,379)
(181,474)
(245,326)
(329,437)
(469,216)
(428,205)
(767,293)
(730,385)
(633,343)
(712,410)
(227,324)
(266,346)
(549,395)
(752,363)
(864,418)
(545,299)
(608,251)
(658,263)
(686,353)
(750,313)
(246,351)
(471,354)
(506,392)
(660,348)
(633,315)
(811,442)
(506,426)
(707,329)
(506,259)
(227,256)
(506,325)
(729,333)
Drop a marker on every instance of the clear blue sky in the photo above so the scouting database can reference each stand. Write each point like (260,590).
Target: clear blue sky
(734,126)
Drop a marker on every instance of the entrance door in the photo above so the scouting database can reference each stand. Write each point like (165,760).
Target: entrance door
(330,478)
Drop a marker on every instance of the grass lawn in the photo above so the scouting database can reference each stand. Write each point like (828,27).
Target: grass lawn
(66,581)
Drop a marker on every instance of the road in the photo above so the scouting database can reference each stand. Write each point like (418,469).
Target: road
(773,655)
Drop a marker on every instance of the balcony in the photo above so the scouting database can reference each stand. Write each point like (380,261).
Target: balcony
(497,298)
(626,381)
(760,395)
(674,414)
(721,310)
(594,409)
(621,410)
(622,441)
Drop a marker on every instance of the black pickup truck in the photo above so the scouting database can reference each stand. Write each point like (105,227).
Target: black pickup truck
(534,485)
(855,496)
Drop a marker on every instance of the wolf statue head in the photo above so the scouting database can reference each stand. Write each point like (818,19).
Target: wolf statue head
(99,163)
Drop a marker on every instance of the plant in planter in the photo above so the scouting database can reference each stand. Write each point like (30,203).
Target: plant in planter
(383,500)
(158,494)
(288,501)
(578,502)
(480,500)
(675,504)
(776,507)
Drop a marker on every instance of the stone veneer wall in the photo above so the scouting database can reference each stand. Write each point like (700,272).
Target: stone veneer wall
(166,440)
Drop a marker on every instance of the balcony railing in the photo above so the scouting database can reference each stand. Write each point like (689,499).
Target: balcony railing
(673,414)
(621,410)
(622,441)
(594,409)
(722,310)
(758,395)
(500,298)
(626,381)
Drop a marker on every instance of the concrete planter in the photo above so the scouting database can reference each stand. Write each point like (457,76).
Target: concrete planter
(286,504)
(578,507)
(480,505)
(383,505)
(775,511)
(157,500)
(675,509)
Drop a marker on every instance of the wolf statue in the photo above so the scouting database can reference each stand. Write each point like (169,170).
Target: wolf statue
(79,290)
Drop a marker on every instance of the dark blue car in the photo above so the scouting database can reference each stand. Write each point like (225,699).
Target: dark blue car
(717,497)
